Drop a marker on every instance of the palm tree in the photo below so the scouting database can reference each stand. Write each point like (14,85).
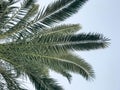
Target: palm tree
(34,44)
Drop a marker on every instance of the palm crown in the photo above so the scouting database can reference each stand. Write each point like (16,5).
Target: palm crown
(36,45)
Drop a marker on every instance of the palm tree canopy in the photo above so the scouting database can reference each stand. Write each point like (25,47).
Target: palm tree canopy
(36,45)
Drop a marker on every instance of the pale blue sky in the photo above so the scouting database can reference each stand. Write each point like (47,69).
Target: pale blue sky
(101,16)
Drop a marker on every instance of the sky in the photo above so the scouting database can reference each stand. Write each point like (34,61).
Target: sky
(102,16)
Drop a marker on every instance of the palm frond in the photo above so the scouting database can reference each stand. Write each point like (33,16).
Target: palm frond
(44,83)
(53,62)
(40,80)
(50,61)
(12,83)
(37,71)
(22,67)
(78,42)
(61,29)
(5,11)
(62,8)
(66,74)
(65,8)
(19,19)
(79,61)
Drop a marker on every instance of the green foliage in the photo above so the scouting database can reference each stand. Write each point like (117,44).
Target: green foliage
(36,45)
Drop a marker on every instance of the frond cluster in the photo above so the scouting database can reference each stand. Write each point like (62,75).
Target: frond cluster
(36,45)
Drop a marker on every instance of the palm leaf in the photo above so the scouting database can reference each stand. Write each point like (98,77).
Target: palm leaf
(62,8)
(40,80)
(65,8)
(44,83)
(19,19)
(61,29)
(79,61)
(36,73)
(5,11)
(79,42)
(12,83)
(51,62)
(48,60)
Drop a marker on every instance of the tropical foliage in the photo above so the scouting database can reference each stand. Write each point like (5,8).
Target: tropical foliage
(35,44)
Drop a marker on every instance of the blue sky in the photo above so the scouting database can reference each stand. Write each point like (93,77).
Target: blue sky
(101,16)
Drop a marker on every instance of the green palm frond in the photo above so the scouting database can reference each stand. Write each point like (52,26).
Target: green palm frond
(21,67)
(65,8)
(68,42)
(48,60)
(40,79)
(38,75)
(81,62)
(58,62)
(64,73)
(19,19)
(10,80)
(61,29)
(62,8)
(44,83)
(5,10)
(49,15)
